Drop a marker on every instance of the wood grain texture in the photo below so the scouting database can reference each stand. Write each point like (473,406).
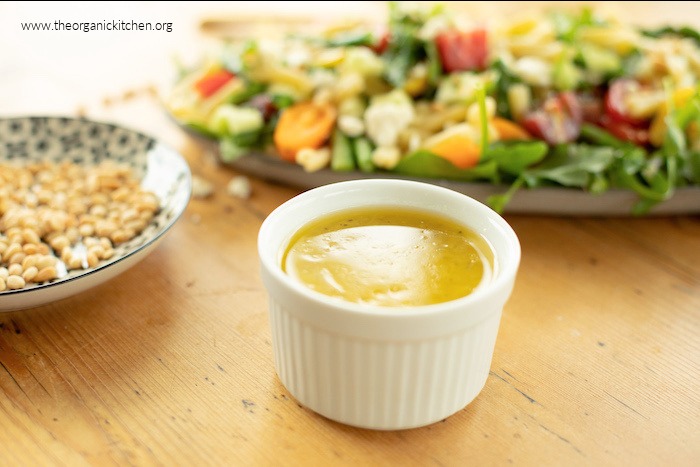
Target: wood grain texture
(597,360)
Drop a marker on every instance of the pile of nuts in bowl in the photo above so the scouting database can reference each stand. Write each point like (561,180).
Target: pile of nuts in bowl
(57,217)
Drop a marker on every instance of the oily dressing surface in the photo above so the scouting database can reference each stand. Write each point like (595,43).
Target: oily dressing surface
(388,257)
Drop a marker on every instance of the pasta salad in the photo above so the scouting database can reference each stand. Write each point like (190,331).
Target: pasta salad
(566,99)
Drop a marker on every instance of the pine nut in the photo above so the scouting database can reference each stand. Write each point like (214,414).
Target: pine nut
(73,235)
(98,210)
(105,228)
(136,225)
(30,236)
(14,269)
(86,230)
(66,254)
(119,236)
(46,274)
(30,273)
(15,282)
(18,257)
(96,250)
(75,262)
(30,248)
(29,261)
(59,243)
(11,250)
(45,261)
(92,260)
(91,241)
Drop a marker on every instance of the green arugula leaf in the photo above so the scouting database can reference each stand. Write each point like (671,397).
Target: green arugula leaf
(282,101)
(566,25)
(572,165)
(682,31)
(514,157)
(351,38)
(504,81)
(251,89)
(434,63)
(405,48)
(499,202)
(402,54)
(424,163)
(596,135)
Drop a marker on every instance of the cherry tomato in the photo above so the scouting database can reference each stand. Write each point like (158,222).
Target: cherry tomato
(462,51)
(558,120)
(625,131)
(615,106)
(212,82)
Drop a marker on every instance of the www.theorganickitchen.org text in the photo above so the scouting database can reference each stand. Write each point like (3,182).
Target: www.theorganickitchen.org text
(89,26)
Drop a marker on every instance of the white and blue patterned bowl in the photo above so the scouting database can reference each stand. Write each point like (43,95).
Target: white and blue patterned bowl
(161,170)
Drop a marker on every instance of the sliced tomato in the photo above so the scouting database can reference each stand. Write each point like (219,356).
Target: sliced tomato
(615,106)
(625,131)
(382,43)
(212,82)
(462,51)
(557,121)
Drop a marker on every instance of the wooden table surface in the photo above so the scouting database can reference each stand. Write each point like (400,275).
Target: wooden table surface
(597,360)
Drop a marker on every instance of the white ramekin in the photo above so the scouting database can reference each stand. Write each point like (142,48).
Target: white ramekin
(380,367)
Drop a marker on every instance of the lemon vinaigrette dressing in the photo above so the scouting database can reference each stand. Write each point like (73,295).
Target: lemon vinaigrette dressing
(389,257)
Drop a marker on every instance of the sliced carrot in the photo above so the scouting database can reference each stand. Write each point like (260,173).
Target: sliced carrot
(457,148)
(508,130)
(304,125)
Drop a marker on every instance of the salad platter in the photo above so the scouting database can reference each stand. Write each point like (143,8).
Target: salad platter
(556,201)
(561,113)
